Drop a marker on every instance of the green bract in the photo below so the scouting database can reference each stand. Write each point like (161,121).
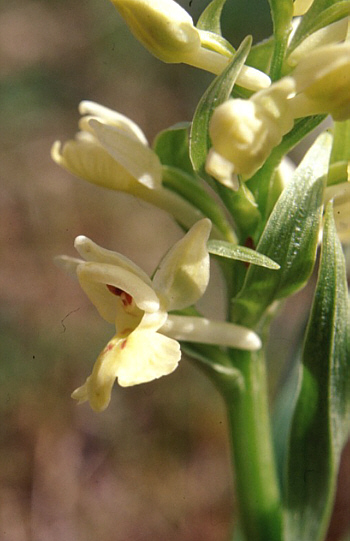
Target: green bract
(290,238)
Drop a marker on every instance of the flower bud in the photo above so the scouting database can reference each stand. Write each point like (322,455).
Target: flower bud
(167,31)
(331,34)
(323,82)
(162,26)
(245,131)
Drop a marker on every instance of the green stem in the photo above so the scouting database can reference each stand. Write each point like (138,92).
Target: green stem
(252,451)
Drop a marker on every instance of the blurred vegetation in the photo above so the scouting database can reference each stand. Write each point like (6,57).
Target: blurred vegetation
(154,465)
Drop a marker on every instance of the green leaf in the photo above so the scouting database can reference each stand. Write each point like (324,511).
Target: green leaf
(210,18)
(171,146)
(321,14)
(240,253)
(289,238)
(320,424)
(218,92)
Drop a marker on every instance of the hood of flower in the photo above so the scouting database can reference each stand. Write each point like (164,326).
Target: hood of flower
(110,150)
(245,131)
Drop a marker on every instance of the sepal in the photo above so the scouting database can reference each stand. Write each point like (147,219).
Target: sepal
(183,275)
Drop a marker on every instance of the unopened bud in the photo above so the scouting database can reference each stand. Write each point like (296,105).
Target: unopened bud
(162,26)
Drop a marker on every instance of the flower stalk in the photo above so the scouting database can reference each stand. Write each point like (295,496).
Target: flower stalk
(257,488)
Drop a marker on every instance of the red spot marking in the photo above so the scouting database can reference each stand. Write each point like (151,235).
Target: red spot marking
(123,344)
(108,348)
(125,297)
(249,243)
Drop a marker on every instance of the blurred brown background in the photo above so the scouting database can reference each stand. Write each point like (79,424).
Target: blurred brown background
(155,465)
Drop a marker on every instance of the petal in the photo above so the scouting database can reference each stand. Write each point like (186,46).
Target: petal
(69,264)
(113,118)
(222,169)
(331,33)
(183,275)
(322,62)
(86,159)
(91,251)
(138,159)
(94,278)
(147,355)
(81,393)
(207,331)
(98,387)
(323,78)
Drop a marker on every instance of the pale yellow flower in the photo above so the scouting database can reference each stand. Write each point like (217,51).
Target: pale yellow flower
(145,345)
(330,34)
(244,132)
(111,151)
(166,30)
(322,81)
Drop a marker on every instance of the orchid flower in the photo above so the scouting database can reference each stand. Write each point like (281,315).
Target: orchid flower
(244,132)
(110,150)
(168,32)
(327,35)
(322,82)
(145,345)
